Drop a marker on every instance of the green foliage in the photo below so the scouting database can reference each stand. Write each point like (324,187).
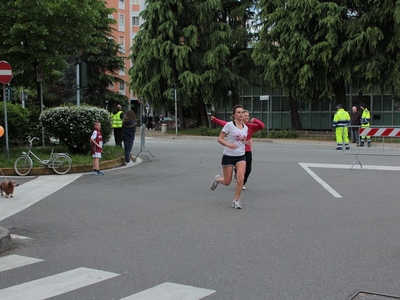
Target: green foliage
(109,152)
(206,131)
(315,48)
(260,134)
(283,134)
(20,123)
(194,46)
(49,33)
(73,125)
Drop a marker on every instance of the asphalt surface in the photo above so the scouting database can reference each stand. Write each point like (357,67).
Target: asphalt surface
(310,227)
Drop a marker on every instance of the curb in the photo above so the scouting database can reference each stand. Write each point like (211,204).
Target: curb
(104,165)
(5,239)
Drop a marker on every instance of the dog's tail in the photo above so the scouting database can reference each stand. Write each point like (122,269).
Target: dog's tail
(5,178)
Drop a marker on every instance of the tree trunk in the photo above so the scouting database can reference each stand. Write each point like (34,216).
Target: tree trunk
(339,89)
(294,113)
(202,111)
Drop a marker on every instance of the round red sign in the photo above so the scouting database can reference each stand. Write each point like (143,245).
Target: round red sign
(5,72)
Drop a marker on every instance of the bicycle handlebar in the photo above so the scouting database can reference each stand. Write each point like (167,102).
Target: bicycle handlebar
(32,139)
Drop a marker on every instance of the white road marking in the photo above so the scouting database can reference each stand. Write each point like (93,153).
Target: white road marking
(15,261)
(171,291)
(307,166)
(55,285)
(33,191)
(19,237)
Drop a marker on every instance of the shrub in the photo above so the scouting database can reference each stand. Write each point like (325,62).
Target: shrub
(260,134)
(283,134)
(73,125)
(206,131)
(19,123)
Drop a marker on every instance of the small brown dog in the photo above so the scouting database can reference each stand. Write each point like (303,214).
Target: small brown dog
(8,187)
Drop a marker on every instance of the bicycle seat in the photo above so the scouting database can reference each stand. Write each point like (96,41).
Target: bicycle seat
(54,141)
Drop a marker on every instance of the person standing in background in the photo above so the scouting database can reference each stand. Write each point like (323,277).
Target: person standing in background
(365,120)
(150,122)
(116,120)
(341,121)
(355,125)
(97,146)
(144,120)
(128,135)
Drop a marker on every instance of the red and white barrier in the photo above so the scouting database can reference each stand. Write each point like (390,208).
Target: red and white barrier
(390,132)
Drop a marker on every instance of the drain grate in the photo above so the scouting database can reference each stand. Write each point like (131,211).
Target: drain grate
(372,296)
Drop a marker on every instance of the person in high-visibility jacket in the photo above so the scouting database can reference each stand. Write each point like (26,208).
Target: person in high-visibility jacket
(116,120)
(365,119)
(341,121)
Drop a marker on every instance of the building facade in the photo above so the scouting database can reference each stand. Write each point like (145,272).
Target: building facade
(275,113)
(126,27)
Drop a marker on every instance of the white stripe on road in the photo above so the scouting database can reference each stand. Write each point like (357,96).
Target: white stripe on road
(19,237)
(15,261)
(33,191)
(320,181)
(171,291)
(55,285)
(306,167)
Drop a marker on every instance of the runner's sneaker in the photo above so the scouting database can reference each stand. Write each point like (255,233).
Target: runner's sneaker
(237,204)
(243,188)
(94,172)
(100,173)
(215,182)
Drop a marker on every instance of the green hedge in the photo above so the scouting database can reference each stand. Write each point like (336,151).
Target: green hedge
(73,125)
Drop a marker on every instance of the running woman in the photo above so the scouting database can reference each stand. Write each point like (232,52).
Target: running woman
(233,156)
(254,125)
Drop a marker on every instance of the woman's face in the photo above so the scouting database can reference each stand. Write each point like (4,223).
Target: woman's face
(246,116)
(238,113)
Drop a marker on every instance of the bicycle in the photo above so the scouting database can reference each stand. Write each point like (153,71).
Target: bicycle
(61,163)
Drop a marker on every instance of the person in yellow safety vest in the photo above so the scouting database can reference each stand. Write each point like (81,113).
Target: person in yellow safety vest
(365,119)
(116,120)
(341,121)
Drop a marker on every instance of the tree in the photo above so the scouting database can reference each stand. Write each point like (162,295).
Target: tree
(314,49)
(45,32)
(183,45)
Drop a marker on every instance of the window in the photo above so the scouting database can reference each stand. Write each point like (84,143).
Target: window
(121,73)
(121,22)
(135,21)
(135,1)
(121,43)
(111,86)
(122,88)
(121,4)
(110,16)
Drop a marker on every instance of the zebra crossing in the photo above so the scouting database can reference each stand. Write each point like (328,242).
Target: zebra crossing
(70,280)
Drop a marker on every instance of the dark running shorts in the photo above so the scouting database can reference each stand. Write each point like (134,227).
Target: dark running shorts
(231,160)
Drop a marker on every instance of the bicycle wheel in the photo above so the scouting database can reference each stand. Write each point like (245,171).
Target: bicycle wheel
(61,164)
(23,165)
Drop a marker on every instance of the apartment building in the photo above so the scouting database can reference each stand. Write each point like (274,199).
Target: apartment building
(126,28)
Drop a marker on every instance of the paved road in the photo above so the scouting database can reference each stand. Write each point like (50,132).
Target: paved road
(310,228)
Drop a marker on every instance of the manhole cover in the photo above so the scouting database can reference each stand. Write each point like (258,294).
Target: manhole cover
(373,296)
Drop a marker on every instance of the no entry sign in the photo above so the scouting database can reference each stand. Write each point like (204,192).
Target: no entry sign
(5,72)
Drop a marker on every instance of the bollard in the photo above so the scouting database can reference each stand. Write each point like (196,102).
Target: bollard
(164,127)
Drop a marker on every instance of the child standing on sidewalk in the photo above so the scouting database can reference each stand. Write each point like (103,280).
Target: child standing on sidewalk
(97,145)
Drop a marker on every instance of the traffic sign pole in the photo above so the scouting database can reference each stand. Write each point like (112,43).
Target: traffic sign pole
(5,78)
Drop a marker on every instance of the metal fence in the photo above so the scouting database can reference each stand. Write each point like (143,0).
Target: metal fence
(385,141)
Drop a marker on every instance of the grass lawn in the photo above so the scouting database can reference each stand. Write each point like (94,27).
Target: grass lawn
(109,153)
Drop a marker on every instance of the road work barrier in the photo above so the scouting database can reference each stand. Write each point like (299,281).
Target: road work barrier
(385,141)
